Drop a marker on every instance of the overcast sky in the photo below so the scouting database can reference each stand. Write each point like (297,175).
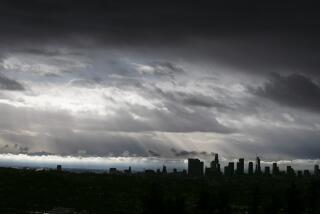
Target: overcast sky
(160,79)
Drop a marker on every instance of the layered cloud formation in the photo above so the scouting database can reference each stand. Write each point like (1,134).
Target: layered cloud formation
(91,88)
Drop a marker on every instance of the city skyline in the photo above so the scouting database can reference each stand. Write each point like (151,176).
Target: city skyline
(197,168)
(100,164)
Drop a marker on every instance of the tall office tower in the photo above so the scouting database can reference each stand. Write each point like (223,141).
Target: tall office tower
(164,170)
(250,168)
(267,170)
(258,166)
(215,162)
(195,167)
(241,166)
(306,172)
(218,169)
(226,171)
(214,167)
(216,158)
(275,169)
(238,168)
(290,171)
(316,170)
(59,168)
(231,168)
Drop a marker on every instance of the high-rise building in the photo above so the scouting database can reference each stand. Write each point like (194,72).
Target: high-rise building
(306,172)
(218,169)
(59,168)
(216,158)
(290,171)
(267,170)
(128,171)
(226,171)
(258,166)
(113,171)
(214,168)
(250,168)
(164,170)
(275,169)
(240,166)
(175,171)
(195,167)
(231,168)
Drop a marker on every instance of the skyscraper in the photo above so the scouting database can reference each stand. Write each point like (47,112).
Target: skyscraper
(250,168)
(290,171)
(267,170)
(59,168)
(216,158)
(231,168)
(195,167)
(275,169)
(240,166)
(258,166)
(214,167)
(164,170)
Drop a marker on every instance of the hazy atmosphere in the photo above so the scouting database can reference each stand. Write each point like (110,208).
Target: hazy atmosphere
(100,83)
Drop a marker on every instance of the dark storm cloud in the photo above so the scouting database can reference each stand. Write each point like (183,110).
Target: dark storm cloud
(144,70)
(251,36)
(192,99)
(153,153)
(294,90)
(184,153)
(114,18)
(10,84)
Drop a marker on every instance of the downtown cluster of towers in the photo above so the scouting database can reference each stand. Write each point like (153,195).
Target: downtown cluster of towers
(196,168)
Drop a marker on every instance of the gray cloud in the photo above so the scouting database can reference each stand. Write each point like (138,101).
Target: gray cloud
(153,81)
(153,153)
(192,99)
(10,84)
(294,90)
(186,154)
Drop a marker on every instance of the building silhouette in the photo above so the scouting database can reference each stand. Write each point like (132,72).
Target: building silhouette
(250,168)
(164,170)
(258,166)
(275,169)
(59,168)
(229,170)
(113,171)
(240,167)
(225,170)
(195,167)
(290,171)
(128,171)
(214,169)
(267,170)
